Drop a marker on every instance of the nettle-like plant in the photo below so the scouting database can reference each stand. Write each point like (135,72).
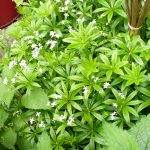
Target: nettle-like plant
(65,73)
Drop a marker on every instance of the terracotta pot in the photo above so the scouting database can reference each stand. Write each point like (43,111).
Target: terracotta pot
(8,12)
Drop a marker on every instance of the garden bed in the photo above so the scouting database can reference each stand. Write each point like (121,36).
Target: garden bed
(73,77)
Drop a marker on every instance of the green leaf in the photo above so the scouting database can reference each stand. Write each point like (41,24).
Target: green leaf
(8,138)
(37,99)
(3,117)
(44,142)
(118,139)
(141,132)
(6,94)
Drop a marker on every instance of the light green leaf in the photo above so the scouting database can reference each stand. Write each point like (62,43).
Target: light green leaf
(37,99)
(3,117)
(141,132)
(118,139)
(8,138)
(44,142)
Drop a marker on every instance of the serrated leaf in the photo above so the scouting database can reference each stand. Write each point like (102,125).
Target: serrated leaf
(118,139)
(3,117)
(8,138)
(6,94)
(141,132)
(37,99)
(44,142)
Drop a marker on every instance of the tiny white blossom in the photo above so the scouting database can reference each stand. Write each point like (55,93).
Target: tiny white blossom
(11,64)
(57,96)
(115,105)
(94,21)
(70,121)
(57,1)
(13,43)
(48,104)
(121,95)
(34,46)
(112,115)
(67,2)
(62,117)
(13,80)
(31,120)
(38,114)
(66,14)
(85,90)
(81,19)
(70,27)
(79,13)
(35,53)
(52,33)
(96,79)
(5,81)
(42,124)
(57,36)
(37,33)
(23,64)
(53,104)
(106,85)
(40,70)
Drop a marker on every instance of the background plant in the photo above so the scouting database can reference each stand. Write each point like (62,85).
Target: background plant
(66,73)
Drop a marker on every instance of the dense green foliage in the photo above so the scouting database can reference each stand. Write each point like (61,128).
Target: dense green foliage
(70,66)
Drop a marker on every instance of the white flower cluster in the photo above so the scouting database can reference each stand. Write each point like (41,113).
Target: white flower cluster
(112,115)
(70,121)
(23,64)
(36,49)
(81,20)
(106,85)
(95,78)
(32,120)
(5,81)
(12,64)
(85,90)
(121,95)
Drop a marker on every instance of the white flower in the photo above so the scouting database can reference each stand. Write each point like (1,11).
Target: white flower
(5,81)
(38,114)
(94,21)
(53,43)
(23,64)
(121,95)
(35,53)
(70,27)
(37,33)
(57,96)
(13,80)
(63,22)
(42,124)
(115,105)
(112,115)
(66,8)
(66,14)
(11,64)
(106,85)
(70,121)
(31,120)
(79,13)
(85,90)
(57,1)
(67,2)
(62,117)
(52,33)
(34,46)
(40,70)
(13,43)
(57,36)
(81,19)
(48,104)
(53,104)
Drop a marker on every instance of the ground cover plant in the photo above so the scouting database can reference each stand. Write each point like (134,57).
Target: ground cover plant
(73,78)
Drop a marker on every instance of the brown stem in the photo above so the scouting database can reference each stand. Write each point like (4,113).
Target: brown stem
(128,10)
(135,12)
